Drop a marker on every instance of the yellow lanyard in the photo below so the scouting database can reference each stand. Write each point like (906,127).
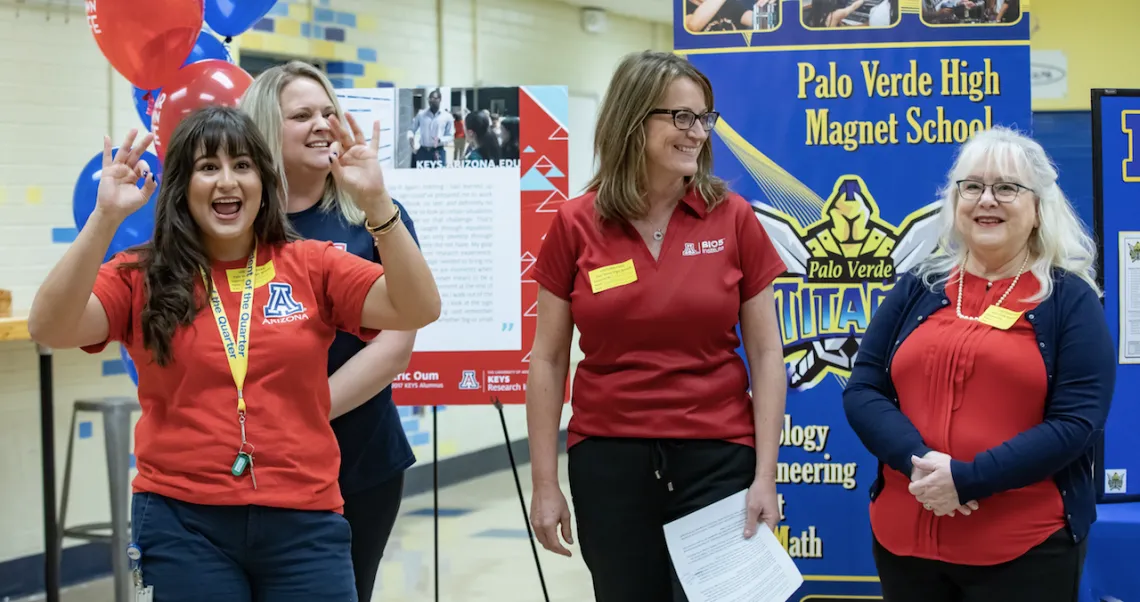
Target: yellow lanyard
(237,351)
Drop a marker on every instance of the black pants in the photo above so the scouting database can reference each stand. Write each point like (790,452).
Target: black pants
(372,514)
(625,490)
(1049,572)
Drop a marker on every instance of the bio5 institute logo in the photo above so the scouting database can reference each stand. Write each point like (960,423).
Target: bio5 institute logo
(840,268)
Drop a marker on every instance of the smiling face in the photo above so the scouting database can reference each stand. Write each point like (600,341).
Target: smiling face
(671,151)
(306,140)
(996,212)
(224,198)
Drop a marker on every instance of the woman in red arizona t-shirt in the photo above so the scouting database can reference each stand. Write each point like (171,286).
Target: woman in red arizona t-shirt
(228,318)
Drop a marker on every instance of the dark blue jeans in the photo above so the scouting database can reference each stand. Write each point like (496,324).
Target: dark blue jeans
(241,553)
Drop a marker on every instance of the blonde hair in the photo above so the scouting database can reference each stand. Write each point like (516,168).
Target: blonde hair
(1059,241)
(262,101)
(638,84)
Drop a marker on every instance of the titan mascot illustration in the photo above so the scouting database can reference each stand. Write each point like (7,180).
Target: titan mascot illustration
(839,269)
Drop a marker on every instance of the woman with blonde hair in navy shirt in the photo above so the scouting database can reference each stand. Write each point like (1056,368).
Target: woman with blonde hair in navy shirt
(292,105)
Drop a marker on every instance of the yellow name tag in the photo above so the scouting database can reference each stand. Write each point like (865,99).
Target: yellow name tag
(612,276)
(261,276)
(999,317)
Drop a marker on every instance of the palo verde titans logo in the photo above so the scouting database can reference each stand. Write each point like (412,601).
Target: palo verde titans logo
(840,268)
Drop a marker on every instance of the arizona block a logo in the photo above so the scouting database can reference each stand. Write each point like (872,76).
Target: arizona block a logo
(282,307)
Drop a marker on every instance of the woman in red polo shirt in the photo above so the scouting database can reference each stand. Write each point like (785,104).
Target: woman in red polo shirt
(656,265)
(229,319)
(980,386)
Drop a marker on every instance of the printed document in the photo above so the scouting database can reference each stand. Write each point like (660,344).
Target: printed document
(1129,307)
(717,564)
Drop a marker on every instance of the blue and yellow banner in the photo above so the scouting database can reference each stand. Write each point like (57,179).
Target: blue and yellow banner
(839,122)
(1116,187)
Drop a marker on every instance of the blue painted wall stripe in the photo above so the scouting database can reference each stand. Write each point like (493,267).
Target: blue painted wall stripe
(306,30)
(85,430)
(346,19)
(344,68)
(281,9)
(367,55)
(342,82)
(334,34)
(114,367)
(64,235)
(324,15)
(419,439)
(264,25)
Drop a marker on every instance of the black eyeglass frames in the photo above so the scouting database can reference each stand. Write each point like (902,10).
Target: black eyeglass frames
(684,119)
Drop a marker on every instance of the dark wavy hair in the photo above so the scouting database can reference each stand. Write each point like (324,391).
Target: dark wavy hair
(173,261)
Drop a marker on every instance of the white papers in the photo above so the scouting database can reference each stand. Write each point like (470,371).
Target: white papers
(717,564)
(467,221)
(369,105)
(1129,309)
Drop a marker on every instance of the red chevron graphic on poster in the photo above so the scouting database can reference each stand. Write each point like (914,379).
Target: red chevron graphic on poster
(540,158)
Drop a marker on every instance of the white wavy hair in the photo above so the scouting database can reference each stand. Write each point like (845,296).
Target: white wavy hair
(1060,241)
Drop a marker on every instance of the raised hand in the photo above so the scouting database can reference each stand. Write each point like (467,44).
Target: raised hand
(356,167)
(119,193)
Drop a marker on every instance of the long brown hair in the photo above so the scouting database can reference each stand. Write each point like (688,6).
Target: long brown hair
(172,263)
(637,86)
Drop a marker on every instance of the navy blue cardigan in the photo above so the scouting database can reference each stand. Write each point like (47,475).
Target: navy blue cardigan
(1080,361)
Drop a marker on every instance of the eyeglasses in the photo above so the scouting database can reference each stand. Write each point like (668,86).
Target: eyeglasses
(1004,192)
(684,118)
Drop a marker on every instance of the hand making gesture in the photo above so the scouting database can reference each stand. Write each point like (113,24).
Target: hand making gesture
(119,193)
(356,168)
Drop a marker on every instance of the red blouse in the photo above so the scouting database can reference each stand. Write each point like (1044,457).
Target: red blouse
(968,387)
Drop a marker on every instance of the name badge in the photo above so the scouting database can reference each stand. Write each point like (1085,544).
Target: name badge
(999,317)
(612,276)
(261,276)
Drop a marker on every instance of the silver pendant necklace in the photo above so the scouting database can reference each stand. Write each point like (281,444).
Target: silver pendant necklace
(658,235)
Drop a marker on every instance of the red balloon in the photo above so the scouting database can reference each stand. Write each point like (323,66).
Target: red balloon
(197,85)
(144,40)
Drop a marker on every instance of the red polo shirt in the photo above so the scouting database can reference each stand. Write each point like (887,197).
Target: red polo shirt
(659,343)
(969,387)
(188,434)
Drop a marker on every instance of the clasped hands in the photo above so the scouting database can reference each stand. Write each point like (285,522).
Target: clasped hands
(932,484)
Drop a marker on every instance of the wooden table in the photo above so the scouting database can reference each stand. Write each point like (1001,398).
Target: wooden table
(15,329)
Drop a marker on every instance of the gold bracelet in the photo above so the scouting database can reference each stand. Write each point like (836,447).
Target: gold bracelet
(386,227)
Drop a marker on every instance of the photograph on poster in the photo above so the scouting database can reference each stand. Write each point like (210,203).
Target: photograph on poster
(1129,298)
(480,173)
(835,14)
(732,16)
(971,12)
(458,127)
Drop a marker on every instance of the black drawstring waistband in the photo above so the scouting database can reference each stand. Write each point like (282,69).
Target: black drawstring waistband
(659,463)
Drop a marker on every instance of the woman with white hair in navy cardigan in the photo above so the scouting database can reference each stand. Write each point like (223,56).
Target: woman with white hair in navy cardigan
(981,385)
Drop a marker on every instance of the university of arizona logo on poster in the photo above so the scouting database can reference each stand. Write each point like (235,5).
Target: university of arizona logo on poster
(839,269)
(282,307)
(468,382)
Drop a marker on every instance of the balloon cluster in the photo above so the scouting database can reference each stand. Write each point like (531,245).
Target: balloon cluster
(176,66)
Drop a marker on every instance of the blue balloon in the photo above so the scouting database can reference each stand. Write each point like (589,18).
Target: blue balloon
(232,17)
(129,364)
(207,47)
(138,227)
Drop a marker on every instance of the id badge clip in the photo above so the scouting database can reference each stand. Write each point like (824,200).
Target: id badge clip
(142,593)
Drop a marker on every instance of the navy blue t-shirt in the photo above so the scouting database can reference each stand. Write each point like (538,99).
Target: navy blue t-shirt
(373,445)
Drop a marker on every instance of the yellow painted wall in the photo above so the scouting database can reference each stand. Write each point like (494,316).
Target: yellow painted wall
(1100,38)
